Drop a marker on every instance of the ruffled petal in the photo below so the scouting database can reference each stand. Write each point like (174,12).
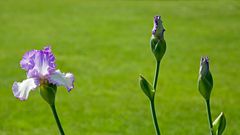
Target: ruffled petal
(62,79)
(27,61)
(44,64)
(21,89)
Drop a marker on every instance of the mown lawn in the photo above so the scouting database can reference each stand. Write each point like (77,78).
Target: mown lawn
(106,45)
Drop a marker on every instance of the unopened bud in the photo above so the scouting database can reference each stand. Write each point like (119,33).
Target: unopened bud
(158,44)
(205,80)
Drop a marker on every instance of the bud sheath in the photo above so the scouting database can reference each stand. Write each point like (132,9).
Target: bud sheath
(205,80)
(219,124)
(48,92)
(157,42)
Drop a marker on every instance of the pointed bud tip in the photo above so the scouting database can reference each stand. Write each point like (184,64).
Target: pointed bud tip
(141,76)
(158,29)
(204,61)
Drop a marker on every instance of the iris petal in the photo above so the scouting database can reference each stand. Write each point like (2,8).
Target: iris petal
(27,62)
(44,64)
(62,79)
(21,89)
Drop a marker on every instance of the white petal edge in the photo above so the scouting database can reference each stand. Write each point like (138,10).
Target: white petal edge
(21,89)
(62,79)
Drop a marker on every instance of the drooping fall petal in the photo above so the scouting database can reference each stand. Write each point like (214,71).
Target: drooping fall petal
(21,89)
(62,79)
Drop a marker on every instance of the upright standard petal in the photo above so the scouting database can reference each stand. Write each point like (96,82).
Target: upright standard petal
(27,61)
(62,79)
(44,64)
(21,89)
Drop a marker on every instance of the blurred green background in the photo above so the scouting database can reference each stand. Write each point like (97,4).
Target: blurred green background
(106,46)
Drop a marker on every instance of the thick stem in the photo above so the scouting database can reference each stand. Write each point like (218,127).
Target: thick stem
(54,111)
(155,122)
(209,117)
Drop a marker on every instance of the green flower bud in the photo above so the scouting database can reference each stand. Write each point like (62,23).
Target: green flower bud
(219,124)
(146,87)
(48,92)
(205,80)
(157,42)
(158,47)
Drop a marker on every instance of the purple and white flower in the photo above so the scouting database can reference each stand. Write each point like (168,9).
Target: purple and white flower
(41,69)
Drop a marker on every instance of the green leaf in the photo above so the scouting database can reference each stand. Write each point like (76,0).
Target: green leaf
(219,124)
(146,87)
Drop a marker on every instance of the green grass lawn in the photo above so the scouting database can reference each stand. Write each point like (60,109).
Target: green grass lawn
(106,45)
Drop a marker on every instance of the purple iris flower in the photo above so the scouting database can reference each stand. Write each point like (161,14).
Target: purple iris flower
(41,70)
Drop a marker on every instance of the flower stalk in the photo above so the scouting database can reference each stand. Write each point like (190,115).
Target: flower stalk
(209,115)
(158,47)
(48,92)
(154,116)
(156,75)
(54,111)
(152,105)
(205,85)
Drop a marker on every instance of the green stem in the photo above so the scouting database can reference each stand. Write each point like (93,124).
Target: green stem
(54,111)
(152,100)
(209,117)
(156,75)
(154,117)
